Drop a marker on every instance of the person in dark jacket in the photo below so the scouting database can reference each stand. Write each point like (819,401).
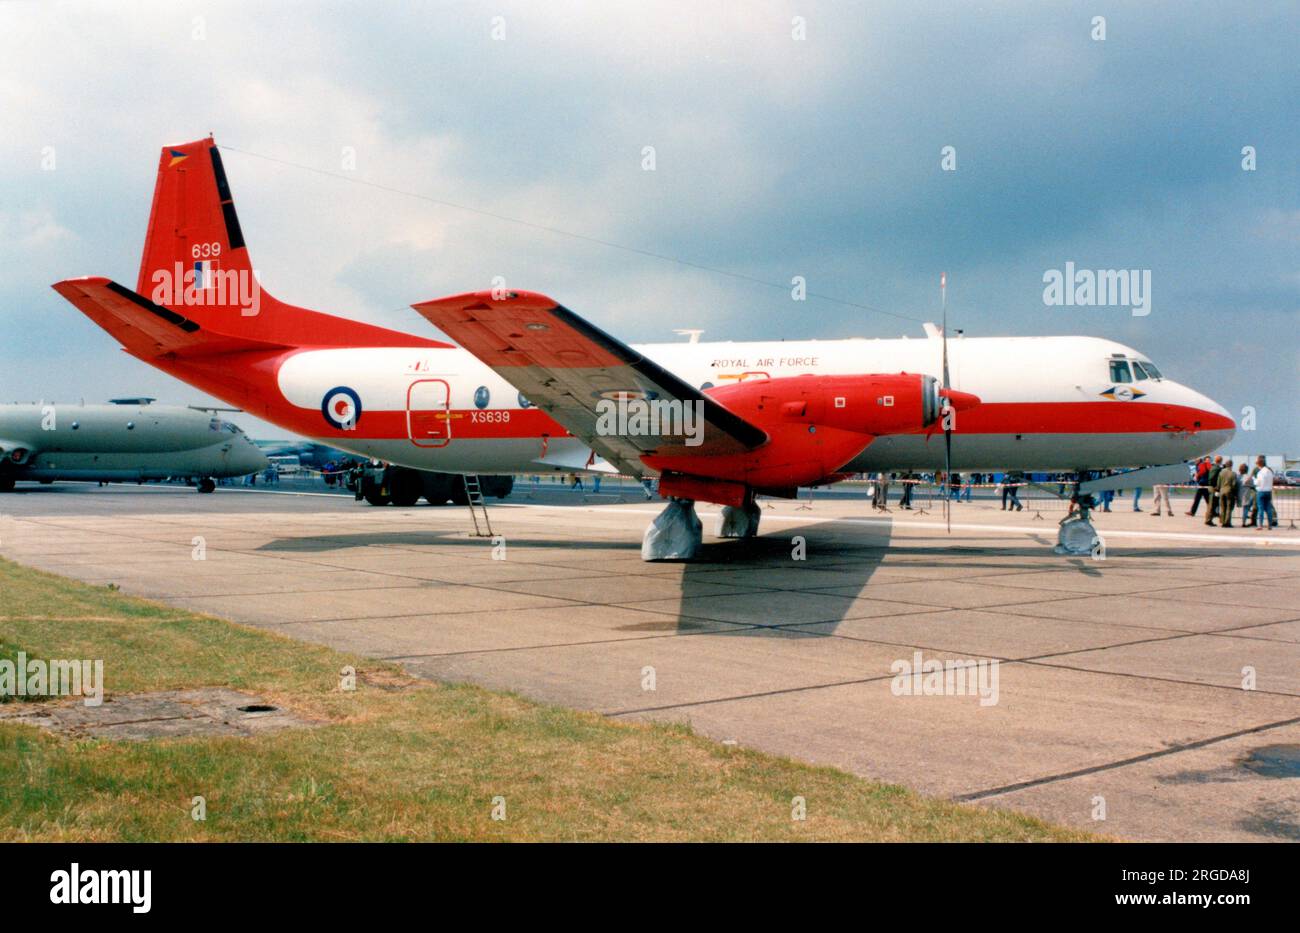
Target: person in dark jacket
(1227,494)
(909,482)
(1011,483)
(1215,469)
(1202,484)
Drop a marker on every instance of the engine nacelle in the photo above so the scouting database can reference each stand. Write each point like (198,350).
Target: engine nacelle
(863,404)
(14,453)
(815,425)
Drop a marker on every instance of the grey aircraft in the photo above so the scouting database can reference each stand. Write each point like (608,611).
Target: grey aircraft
(127,440)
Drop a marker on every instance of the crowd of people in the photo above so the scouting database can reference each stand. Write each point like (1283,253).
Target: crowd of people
(1224,487)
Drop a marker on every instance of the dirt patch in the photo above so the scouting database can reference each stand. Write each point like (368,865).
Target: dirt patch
(388,680)
(211,711)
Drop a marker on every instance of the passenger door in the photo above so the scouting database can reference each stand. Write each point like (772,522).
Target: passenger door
(428,413)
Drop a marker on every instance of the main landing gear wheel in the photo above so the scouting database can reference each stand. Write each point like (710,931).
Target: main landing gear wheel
(207,484)
(1077,536)
(675,534)
(405,487)
(739,522)
(438,487)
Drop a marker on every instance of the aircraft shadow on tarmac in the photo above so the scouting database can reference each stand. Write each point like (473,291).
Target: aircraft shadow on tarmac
(790,582)
(419,538)
(769,597)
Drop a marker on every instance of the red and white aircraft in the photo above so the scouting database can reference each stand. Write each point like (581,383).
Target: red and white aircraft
(531,384)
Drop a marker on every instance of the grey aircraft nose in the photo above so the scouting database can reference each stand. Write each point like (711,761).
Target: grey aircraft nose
(245,458)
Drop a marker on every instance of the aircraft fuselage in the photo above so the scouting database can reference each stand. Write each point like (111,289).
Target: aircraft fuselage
(120,443)
(1047,403)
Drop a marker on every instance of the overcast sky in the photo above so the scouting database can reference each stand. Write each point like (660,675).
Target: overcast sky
(774,156)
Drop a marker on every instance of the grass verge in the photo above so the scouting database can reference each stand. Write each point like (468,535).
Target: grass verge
(398,758)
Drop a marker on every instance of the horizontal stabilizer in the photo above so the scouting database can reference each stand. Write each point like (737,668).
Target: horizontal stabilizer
(144,328)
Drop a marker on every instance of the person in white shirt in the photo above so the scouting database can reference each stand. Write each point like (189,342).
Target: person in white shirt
(1264,496)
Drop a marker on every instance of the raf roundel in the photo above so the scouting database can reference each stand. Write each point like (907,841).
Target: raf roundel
(341,408)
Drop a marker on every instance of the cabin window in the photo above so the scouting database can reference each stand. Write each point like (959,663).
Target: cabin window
(1119,371)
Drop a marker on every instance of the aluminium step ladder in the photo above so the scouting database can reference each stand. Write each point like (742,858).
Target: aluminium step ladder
(477,506)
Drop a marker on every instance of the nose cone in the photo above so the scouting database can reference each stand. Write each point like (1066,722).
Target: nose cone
(960,401)
(1213,426)
(1217,417)
(1213,416)
(247,458)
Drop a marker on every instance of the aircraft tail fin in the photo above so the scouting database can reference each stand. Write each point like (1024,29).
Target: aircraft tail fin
(194,240)
(197,264)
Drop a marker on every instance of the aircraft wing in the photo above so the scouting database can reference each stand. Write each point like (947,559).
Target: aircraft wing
(567,366)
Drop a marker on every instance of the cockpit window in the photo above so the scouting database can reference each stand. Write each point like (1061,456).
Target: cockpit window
(1150,367)
(1138,372)
(1119,371)
(217,424)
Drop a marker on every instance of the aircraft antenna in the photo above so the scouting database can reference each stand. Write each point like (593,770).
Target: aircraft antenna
(947,406)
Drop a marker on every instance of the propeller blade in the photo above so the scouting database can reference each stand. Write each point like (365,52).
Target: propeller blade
(947,478)
(950,408)
(943,334)
(944,338)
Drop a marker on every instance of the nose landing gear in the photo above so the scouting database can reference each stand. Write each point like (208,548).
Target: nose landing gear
(1077,536)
